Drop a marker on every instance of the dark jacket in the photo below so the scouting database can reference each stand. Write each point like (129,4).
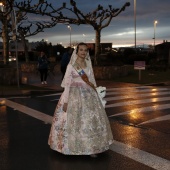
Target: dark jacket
(43,62)
(65,59)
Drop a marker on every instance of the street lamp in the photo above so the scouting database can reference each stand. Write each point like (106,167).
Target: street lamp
(135,21)
(1,7)
(155,22)
(84,37)
(70,33)
(46,41)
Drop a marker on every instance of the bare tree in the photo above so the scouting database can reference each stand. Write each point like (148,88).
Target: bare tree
(22,9)
(31,28)
(98,19)
(5,10)
(27,28)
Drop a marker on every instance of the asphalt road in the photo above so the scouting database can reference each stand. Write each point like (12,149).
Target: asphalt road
(139,118)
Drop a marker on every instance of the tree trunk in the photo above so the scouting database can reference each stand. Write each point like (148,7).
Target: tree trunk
(25,48)
(97,47)
(5,41)
(169,59)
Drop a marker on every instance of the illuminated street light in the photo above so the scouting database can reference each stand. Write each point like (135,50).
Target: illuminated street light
(2,8)
(84,37)
(155,22)
(70,33)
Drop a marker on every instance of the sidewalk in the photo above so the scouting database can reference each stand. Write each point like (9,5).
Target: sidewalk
(54,84)
(33,79)
(54,81)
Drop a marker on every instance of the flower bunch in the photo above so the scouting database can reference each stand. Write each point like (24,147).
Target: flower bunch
(102,93)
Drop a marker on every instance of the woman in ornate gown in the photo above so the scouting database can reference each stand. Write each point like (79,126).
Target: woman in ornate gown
(80,125)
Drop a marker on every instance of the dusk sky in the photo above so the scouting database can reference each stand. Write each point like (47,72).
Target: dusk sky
(120,32)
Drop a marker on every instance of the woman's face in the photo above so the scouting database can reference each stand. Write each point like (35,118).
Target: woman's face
(42,53)
(82,51)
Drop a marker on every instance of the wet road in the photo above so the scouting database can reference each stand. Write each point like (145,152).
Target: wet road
(140,121)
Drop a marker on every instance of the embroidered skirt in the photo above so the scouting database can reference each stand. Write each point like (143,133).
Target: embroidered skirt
(84,128)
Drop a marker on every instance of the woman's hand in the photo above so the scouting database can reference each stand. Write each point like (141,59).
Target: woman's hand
(65,107)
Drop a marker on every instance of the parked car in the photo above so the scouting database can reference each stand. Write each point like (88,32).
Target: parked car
(12,58)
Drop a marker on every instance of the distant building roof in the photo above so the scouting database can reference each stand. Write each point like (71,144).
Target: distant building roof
(164,44)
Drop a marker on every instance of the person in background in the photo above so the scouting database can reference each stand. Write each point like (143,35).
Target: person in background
(43,63)
(80,125)
(65,60)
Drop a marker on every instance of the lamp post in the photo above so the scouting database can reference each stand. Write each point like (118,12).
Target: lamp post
(70,33)
(84,37)
(15,32)
(155,22)
(1,7)
(135,21)
(1,17)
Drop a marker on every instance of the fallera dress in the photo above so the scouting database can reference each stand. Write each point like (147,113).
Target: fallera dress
(84,128)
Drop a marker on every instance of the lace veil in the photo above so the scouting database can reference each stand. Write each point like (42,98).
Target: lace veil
(89,65)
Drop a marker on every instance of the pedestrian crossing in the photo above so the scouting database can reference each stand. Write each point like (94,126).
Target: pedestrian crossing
(128,100)
(143,98)
(156,99)
(138,101)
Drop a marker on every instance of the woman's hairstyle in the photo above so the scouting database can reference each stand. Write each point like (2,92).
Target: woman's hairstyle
(88,62)
(82,43)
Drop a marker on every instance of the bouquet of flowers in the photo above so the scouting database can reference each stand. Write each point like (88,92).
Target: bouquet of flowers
(102,93)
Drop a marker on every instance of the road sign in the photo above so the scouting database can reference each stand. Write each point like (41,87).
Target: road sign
(139,65)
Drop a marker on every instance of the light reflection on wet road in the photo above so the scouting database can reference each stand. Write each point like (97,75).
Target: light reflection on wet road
(139,117)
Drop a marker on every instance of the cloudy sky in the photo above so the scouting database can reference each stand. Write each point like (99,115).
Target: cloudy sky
(120,32)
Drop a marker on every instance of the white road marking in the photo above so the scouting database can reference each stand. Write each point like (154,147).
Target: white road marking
(54,94)
(144,109)
(152,93)
(31,112)
(127,90)
(2,101)
(54,100)
(162,118)
(135,102)
(141,88)
(153,99)
(138,155)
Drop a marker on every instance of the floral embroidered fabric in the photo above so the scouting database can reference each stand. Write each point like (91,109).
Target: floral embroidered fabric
(84,128)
